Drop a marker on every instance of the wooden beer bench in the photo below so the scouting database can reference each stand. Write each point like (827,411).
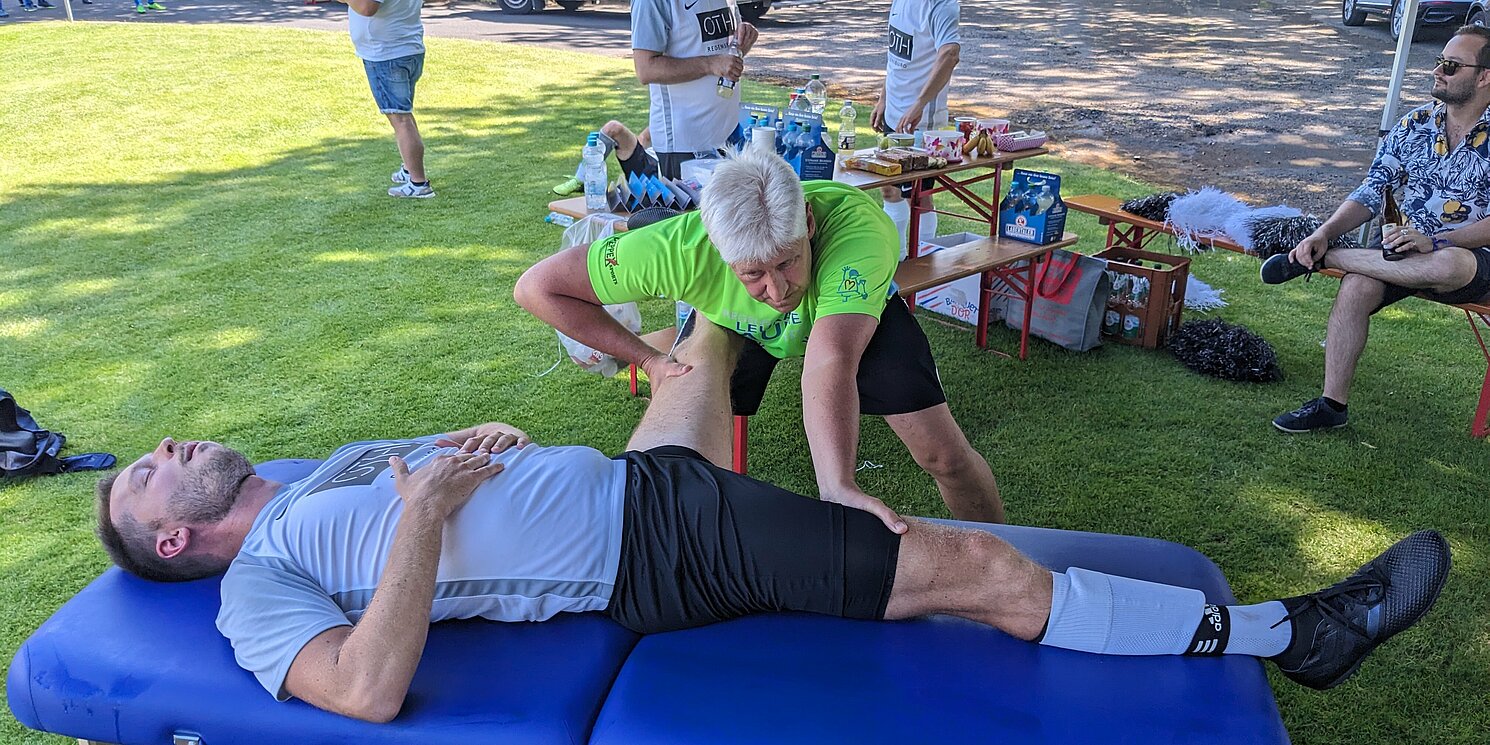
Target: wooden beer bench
(1128,230)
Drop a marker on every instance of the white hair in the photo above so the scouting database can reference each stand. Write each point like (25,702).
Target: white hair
(753,207)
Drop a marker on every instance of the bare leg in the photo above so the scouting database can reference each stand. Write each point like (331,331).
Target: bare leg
(625,141)
(410,144)
(972,574)
(693,409)
(1350,321)
(962,475)
(1440,271)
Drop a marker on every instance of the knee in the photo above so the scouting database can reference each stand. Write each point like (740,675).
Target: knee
(949,463)
(1359,294)
(891,193)
(614,129)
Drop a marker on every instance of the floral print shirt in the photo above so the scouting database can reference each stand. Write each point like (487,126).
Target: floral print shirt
(1436,189)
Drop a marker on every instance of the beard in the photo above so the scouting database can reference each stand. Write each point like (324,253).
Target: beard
(1453,97)
(207,495)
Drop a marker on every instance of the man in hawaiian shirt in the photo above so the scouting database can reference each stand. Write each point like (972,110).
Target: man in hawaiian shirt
(1437,163)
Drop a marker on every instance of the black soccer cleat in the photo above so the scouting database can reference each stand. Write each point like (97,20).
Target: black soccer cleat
(1279,268)
(1336,628)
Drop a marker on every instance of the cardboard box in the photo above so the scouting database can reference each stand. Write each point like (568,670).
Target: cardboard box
(959,299)
(1033,211)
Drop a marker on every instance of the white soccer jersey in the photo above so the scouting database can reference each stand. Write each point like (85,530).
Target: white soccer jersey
(917,29)
(692,116)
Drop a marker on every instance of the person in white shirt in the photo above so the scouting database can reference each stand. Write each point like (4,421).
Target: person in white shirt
(924,49)
(389,37)
(681,48)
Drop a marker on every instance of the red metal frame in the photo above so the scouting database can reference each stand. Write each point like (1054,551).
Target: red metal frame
(1480,425)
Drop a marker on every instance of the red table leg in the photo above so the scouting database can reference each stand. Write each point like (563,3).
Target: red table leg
(1480,425)
(633,379)
(742,442)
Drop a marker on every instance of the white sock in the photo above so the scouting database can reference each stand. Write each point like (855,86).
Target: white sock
(928,225)
(1107,614)
(900,214)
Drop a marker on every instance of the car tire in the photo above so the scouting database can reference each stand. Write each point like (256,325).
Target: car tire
(1394,23)
(752,12)
(520,7)
(571,5)
(1478,18)
(1351,15)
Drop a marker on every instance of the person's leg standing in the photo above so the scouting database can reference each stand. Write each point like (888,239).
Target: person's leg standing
(898,380)
(393,83)
(692,410)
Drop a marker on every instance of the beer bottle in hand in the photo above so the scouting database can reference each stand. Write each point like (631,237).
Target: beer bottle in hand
(1391,221)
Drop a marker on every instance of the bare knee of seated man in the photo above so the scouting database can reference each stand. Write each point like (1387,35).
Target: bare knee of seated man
(692,410)
(594,531)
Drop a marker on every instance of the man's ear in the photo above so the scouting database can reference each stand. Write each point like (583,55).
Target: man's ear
(170,544)
(811,223)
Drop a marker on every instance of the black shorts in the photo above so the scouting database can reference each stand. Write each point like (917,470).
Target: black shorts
(667,165)
(1477,288)
(896,374)
(702,544)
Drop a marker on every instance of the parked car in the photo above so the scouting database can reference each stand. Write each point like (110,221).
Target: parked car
(1479,13)
(1430,13)
(750,10)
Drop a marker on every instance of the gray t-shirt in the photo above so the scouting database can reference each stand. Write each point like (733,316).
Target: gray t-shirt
(396,30)
(688,117)
(542,537)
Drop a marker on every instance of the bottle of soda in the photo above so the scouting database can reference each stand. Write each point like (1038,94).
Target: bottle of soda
(846,131)
(817,94)
(593,157)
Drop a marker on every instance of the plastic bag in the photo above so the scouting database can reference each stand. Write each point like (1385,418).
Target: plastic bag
(588,230)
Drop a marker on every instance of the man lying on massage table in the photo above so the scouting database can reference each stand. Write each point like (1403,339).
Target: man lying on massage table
(332,581)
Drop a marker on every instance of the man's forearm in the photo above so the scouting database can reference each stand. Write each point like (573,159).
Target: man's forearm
(663,70)
(1473,235)
(830,416)
(589,324)
(378,659)
(947,58)
(1348,216)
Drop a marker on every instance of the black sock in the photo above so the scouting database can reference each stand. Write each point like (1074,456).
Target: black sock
(420,183)
(1336,405)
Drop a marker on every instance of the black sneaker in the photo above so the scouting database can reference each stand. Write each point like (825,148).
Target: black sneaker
(44,4)
(1311,417)
(1279,268)
(1334,629)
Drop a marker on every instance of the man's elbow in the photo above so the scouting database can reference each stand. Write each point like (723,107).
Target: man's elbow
(378,707)
(645,67)
(952,54)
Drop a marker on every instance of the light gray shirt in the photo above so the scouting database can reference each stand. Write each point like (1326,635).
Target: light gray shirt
(542,537)
(688,117)
(917,29)
(396,30)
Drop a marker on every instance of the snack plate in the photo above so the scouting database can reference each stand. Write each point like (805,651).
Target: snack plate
(1012,141)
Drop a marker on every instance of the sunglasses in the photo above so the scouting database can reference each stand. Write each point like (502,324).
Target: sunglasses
(1451,68)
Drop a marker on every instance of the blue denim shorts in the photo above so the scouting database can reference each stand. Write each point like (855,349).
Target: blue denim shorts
(392,82)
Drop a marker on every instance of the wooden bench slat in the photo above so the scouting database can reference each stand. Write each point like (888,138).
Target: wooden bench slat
(965,260)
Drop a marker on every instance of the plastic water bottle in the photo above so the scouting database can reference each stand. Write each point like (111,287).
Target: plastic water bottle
(817,94)
(847,135)
(799,101)
(593,157)
(726,87)
(555,218)
(1044,201)
(789,142)
(806,139)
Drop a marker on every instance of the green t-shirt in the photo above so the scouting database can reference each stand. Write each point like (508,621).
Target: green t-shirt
(854,252)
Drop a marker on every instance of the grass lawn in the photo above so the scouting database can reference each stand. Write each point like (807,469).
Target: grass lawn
(194,241)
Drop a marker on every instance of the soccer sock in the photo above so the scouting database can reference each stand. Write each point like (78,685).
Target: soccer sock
(900,214)
(1106,614)
(928,225)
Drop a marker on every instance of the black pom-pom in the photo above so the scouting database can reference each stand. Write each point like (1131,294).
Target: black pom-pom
(1279,235)
(1222,350)
(1153,207)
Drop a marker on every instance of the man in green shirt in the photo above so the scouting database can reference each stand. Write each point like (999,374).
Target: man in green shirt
(777,261)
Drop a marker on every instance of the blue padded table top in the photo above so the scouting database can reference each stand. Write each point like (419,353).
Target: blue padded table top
(811,679)
(129,661)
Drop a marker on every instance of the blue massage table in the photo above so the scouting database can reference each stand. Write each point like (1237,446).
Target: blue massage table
(129,661)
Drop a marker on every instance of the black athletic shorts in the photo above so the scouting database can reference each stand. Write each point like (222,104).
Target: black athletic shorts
(641,162)
(702,544)
(1477,288)
(667,165)
(896,374)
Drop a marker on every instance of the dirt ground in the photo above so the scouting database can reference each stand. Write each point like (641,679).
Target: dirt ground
(1274,100)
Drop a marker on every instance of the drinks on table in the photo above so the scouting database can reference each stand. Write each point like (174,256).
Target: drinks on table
(817,94)
(846,130)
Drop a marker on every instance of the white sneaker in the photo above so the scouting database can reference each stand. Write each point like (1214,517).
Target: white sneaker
(401,176)
(410,191)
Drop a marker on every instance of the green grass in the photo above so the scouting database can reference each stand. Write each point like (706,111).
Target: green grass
(194,241)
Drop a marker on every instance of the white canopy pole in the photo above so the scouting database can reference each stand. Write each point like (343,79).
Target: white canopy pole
(1369,235)
(67,5)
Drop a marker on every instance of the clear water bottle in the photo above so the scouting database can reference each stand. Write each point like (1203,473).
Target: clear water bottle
(806,140)
(593,157)
(817,94)
(726,87)
(799,101)
(1044,200)
(847,135)
(788,145)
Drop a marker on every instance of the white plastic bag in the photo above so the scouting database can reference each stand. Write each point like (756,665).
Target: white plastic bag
(588,230)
